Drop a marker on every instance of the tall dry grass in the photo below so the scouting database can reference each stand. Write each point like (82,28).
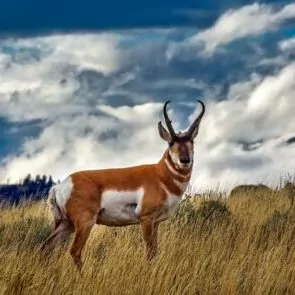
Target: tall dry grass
(242,245)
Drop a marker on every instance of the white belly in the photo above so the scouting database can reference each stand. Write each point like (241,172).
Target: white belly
(121,207)
(124,207)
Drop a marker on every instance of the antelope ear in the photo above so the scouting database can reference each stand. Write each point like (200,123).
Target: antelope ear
(165,135)
(195,132)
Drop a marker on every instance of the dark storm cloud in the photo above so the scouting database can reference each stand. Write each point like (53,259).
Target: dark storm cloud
(12,135)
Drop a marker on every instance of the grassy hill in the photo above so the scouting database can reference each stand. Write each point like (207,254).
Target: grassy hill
(244,244)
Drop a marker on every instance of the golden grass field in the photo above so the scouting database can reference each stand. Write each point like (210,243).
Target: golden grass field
(244,244)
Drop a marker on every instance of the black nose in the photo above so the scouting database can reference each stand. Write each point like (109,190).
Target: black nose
(185,160)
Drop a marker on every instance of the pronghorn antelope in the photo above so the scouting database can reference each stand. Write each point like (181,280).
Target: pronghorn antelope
(144,195)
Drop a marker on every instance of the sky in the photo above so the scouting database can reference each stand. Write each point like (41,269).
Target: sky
(82,86)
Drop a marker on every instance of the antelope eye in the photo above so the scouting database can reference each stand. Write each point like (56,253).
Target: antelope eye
(171,143)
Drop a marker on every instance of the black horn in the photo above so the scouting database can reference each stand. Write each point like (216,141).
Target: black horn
(167,120)
(196,123)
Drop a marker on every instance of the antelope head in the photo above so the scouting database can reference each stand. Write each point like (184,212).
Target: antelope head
(181,144)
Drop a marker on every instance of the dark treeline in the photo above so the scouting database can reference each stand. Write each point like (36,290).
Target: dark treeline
(29,188)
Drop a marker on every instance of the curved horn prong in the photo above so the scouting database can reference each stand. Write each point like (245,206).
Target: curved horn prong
(196,123)
(167,120)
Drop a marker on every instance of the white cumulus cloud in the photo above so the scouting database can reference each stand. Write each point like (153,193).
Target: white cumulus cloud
(249,20)
(287,45)
(97,114)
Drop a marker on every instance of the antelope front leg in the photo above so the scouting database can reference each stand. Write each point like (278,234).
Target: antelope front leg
(149,230)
